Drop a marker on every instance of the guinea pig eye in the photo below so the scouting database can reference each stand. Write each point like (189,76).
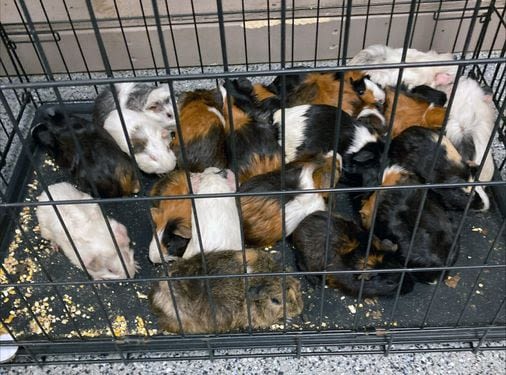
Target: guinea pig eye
(275,301)
(155,107)
(361,92)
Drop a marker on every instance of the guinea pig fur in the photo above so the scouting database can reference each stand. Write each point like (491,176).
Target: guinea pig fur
(98,162)
(310,129)
(430,75)
(218,218)
(411,110)
(323,88)
(265,294)
(414,150)
(203,130)
(470,127)
(262,218)
(154,102)
(88,230)
(256,147)
(395,221)
(347,251)
(150,143)
(172,217)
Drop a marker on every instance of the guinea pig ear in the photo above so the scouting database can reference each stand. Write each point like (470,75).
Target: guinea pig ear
(40,133)
(183,230)
(442,79)
(120,233)
(230,179)
(384,245)
(363,155)
(195,181)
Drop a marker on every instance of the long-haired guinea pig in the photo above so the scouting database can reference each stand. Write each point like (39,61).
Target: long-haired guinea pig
(470,126)
(172,217)
(99,163)
(347,251)
(414,150)
(310,129)
(154,102)
(256,147)
(88,230)
(150,142)
(218,218)
(262,214)
(396,217)
(429,75)
(323,88)
(228,295)
(411,110)
(203,130)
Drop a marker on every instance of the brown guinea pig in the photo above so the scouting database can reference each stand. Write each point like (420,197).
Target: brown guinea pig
(265,294)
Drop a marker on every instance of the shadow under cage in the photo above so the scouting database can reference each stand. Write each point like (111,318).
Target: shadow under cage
(301,188)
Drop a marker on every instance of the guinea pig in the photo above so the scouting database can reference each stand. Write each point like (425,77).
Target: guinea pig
(99,163)
(150,143)
(262,219)
(470,126)
(323,88)
(151,101)
(229,298)
(395,221)
(432,76)
(88,230)
(256,147)
(310,129)
(172,217)
(414,150)
(203,130)
(218,218)
(347,251)
(411,110)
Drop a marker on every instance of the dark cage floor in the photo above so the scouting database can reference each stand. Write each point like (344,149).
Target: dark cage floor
(469,299)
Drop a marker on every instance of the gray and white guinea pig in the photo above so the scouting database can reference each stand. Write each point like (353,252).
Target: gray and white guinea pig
(88,231)
(265,294)
(150,142)
(218,218)
(154,102)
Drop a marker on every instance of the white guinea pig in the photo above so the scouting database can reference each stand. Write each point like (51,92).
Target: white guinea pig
(89,233)
(150,142)
(218,217)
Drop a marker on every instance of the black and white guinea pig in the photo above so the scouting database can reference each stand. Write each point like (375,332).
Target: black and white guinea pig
(88,230)
(311,129)
(347,251)
(95,162)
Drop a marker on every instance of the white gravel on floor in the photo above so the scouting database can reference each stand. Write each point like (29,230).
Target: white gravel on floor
(448,363)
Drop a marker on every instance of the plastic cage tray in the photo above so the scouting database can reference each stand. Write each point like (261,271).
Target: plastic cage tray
(125,305)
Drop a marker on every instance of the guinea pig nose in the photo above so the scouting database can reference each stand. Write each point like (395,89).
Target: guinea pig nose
(169,115)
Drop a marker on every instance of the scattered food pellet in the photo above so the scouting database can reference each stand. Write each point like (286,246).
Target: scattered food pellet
(352,309)
(452,281)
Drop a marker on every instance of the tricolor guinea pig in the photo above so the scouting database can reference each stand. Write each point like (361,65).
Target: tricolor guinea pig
(88,230)
(253,140)
(203,131)
(397,212)
(348,251)
(261,214)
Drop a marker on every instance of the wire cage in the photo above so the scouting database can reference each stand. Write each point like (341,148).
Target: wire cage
(66,52)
